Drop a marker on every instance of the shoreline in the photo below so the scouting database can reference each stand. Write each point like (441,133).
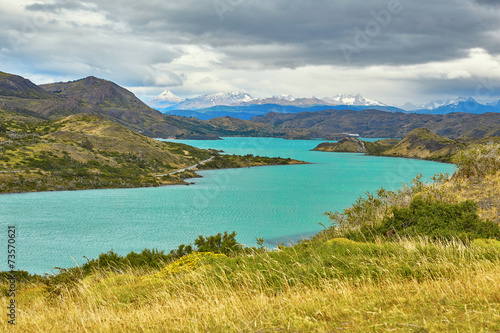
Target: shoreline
(157,185)
(199,176)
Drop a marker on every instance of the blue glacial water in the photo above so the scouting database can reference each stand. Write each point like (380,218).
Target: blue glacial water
(278,203)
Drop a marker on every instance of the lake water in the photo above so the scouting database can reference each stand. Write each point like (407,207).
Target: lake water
(278,203)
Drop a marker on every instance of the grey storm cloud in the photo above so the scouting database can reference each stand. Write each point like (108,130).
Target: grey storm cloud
(56,6)
(313,32)
(488,2)
(159,43)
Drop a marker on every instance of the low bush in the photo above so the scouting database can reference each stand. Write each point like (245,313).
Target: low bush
(437,219)
(220,243)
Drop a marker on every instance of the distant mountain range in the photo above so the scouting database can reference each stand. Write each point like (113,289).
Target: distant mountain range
(96,96)
(169,101)
(461,104)
(247,112)
(243,106)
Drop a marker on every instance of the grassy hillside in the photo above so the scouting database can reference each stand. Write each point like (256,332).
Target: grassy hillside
(344,145)
(424,144)
(437,271)
(354,145)
(90,151)
(236,161)
(95,96)
(84,151)
(420,143)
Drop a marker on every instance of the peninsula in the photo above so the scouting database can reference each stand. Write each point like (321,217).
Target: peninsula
(421,143)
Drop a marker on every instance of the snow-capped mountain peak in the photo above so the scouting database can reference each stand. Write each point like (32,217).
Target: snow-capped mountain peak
(347,99)
(282,99)
(285,97)
(463,100)
(165,100)
(435,104)
(210,100)
(461,104)
(167,95)
(226,98)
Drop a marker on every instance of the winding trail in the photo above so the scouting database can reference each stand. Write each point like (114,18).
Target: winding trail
(187,168)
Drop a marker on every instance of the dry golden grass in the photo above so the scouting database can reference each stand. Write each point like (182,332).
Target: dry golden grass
(483,190)
(205,299)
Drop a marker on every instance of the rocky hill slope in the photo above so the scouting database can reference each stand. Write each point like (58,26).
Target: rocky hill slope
(95,96)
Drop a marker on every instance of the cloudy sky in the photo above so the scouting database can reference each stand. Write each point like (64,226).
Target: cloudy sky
(391,50)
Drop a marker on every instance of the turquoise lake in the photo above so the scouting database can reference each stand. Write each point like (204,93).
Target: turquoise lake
(278,203)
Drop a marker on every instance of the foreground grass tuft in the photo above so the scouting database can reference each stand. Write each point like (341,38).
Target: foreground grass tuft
(408,285)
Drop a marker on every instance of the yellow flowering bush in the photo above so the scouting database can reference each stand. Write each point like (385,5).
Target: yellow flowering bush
(189,263)
(342,241)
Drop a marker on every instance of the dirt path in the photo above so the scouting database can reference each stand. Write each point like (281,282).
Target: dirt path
(187,168)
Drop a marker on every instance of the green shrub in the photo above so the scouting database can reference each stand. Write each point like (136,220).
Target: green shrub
(113,261)
(438,220)
(181,251)
(225,244)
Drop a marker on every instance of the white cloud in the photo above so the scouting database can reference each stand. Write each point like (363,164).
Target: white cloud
(197,56)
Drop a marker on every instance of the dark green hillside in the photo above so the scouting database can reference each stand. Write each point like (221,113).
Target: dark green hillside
(345,145)
(230,126)
(354,145)
(22,96)
(380,124)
